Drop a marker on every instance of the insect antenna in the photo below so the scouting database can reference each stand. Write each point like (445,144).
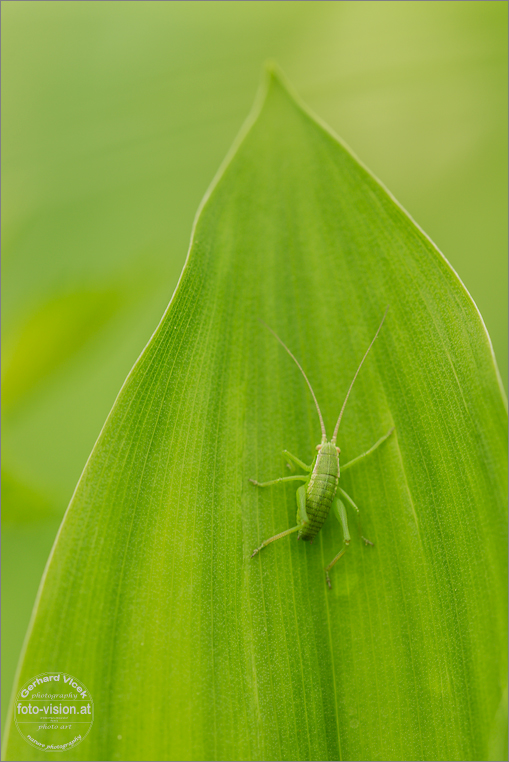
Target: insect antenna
(334,436)
(324,434)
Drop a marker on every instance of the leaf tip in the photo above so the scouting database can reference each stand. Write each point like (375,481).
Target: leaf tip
(274,75)
(271,68)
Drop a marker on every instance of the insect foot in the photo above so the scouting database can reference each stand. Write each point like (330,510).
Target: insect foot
(329,583)
(255,552)
(368,542)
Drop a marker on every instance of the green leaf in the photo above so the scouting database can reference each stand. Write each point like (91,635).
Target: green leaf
(190,649)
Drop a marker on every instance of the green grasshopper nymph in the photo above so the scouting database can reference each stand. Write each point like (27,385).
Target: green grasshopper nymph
(318,494)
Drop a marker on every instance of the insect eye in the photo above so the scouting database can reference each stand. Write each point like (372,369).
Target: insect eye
(338,450)
(318,447)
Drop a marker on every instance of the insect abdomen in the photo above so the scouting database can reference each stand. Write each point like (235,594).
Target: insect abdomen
(321,491)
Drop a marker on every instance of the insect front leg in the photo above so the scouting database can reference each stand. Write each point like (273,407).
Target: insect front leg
(297,461)
(340,513)
(349,499)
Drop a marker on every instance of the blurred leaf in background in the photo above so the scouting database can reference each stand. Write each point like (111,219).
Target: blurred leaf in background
(115,117)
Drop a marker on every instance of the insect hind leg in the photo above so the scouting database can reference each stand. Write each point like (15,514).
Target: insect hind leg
(299,478)
(368,452)
(329,567)
(340,512)
(302,515)
(356,509)
(272,539)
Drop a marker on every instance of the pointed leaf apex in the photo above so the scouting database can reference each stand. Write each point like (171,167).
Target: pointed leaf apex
(275,77)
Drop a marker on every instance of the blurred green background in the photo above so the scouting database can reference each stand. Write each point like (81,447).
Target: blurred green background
(116,116)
